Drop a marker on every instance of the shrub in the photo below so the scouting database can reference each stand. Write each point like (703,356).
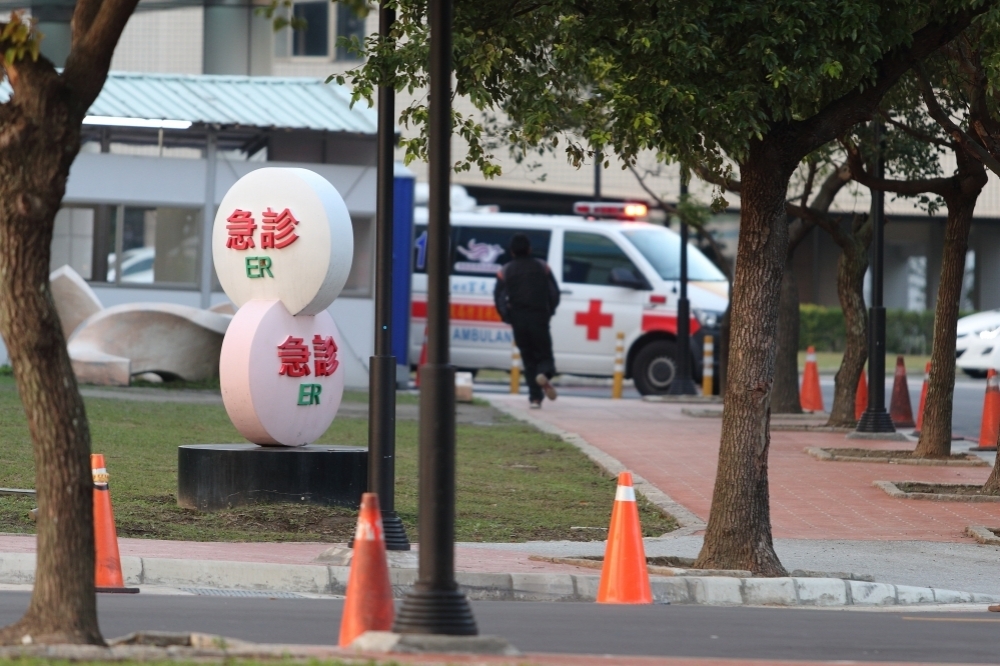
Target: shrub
(906,332)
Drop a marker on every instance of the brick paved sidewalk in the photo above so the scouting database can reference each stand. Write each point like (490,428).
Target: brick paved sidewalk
(810,499)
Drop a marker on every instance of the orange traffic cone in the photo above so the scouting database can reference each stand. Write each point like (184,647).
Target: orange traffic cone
(861,396)
(423,359)
(991,415)
(811,396)
(900,408)
(368,606)
(108,563)
(624,578)
(923,398)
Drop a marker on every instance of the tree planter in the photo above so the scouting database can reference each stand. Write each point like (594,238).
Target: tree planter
(893,457)
(938,492)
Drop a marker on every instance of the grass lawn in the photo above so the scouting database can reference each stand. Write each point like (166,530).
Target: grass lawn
(514,482)
(829,363)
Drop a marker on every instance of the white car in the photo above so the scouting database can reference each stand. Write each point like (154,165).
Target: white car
(977,347)
(616,277)
(137,265)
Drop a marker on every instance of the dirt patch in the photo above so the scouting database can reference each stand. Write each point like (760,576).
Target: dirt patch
(894,457)
(961,490)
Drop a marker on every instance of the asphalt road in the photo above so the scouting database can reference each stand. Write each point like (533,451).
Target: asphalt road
(582,628)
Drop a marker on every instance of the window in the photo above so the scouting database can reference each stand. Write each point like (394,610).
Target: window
(662,249)
(590,258)
(479,251)
(157,246)
(361,278)
(73,240)
(312,39)
(349,25)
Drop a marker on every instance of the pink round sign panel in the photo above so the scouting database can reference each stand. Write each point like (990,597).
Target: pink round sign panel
(281,377)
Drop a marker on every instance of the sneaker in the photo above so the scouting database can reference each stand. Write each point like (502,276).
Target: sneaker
(547,387)
(535,405)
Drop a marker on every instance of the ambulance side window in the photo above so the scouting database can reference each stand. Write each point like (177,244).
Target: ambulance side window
(590,258)
(482,251)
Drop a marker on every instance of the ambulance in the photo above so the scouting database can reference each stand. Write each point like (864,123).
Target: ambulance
(615,275)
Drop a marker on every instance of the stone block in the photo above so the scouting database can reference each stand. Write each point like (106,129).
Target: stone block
(872,594)
(821,591)
(493,586)
(671,590)
(306,578)
(769,592)
(17,568)
(908,594)
(381,642)
(951,596)
(543,587)
(463,386)
(716,591)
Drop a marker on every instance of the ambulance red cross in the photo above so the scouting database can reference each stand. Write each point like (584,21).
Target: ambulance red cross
(615,275)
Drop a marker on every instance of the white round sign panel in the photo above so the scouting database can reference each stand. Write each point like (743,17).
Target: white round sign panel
(281,377)
(283,234)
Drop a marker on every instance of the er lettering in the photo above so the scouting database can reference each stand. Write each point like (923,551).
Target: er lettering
(309,394)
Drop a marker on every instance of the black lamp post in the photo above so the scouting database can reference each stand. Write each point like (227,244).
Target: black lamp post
(435,605)
(382,366)
(876,419)
(683,384)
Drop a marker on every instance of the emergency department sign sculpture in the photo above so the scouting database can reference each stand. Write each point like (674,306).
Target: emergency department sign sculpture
(282,247)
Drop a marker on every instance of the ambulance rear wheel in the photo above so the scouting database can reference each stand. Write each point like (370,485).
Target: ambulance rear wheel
(655,367)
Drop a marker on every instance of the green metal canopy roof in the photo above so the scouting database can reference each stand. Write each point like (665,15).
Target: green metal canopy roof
(261,102)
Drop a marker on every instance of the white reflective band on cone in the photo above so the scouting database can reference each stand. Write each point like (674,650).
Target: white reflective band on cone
(618,367)
(708,370)
(625,494)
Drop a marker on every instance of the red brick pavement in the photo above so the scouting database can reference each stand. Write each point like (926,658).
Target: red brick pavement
(810,499)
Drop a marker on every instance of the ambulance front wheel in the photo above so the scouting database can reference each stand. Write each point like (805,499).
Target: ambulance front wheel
(655,367)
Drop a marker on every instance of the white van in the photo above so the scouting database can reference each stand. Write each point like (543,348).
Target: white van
(613,276)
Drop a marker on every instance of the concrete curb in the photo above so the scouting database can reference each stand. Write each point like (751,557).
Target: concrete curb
(892,490)
(19,568)
(983,535)
(688,521)
(832,455)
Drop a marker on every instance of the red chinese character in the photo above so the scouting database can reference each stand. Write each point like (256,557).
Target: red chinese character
(277,229)
(294,357)
(240,229)
(325,352)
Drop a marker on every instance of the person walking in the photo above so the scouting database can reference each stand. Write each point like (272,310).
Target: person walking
(526,296)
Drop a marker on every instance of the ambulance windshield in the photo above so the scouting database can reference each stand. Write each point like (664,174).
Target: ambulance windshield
(662,249)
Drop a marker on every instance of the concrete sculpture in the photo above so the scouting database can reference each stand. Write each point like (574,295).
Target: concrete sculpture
(109,346)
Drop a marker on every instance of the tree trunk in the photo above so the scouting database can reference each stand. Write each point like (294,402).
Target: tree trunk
(738,535)
(785,396)
(34,166)
(935,433)
(851,268)
(992,485)
(724,330)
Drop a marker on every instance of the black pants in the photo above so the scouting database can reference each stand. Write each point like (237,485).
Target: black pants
(532,337)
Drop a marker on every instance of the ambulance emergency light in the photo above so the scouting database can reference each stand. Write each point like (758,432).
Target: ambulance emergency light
(615,210)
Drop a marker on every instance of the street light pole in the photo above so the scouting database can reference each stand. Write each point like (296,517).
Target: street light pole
(876,419)
(382,366)
(683,384)
(434,605)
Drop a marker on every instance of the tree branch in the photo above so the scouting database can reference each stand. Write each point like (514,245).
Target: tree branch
(915,133)
(939,186)
(859,105)
(935,111)
(95,36)
(714,178)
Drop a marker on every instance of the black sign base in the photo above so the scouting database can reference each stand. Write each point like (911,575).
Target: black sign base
(211,477)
